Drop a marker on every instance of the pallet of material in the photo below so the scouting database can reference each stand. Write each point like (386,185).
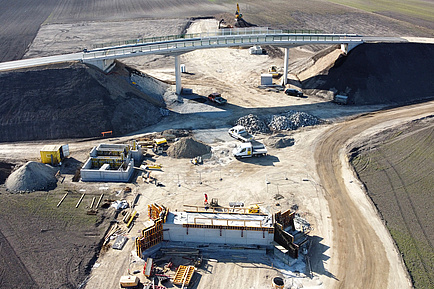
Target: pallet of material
(183,275)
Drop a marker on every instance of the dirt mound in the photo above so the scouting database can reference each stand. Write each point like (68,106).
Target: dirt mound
(32,176)
(279,141)
(379,73)
(71,101)
(188,148)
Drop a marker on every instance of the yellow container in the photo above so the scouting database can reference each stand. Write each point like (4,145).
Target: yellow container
(50,154)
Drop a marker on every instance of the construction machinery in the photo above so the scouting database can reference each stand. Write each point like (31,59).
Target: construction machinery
(254,209)
(273,71)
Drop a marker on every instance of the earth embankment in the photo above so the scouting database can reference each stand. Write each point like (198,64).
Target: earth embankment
(71,101)
(396,168)
(363,243)
(379,73)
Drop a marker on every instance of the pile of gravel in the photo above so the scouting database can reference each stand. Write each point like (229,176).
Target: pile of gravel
(253,124)
(187,148)
(33,176)
(290,120)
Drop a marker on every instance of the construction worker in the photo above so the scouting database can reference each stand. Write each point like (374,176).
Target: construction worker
(205,202)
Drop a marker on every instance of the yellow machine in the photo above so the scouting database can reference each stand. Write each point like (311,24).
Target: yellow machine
(238,15)
(273,71)
(254,209)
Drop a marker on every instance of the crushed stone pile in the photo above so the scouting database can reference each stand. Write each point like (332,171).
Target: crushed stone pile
(290,120)
(253,124)
(33,176)
(188,148)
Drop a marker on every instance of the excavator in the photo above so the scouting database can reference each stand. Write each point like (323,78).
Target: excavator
(239,21)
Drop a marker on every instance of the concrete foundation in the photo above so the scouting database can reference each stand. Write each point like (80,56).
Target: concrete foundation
(105,65)
(218,229)
(111,163)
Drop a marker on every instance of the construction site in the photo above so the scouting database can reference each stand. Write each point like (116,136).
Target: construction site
(247,168)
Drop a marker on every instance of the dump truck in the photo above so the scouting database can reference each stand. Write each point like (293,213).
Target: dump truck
(239,132)
(249,149)
(129,281)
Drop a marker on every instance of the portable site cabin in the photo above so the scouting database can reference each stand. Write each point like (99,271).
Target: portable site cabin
(54,154)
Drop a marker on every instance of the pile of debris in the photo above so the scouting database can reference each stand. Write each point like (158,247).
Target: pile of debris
(253,124)
(290,120)
(188,148)
(33,176)
(279,141)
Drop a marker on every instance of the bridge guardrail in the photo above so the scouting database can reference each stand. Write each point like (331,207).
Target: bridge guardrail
(221,32)
(217,41)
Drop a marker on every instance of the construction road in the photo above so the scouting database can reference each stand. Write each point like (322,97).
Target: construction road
(364,254)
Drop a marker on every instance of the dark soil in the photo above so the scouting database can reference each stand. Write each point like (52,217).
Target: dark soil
(381,74)
(43,246)
(71,101)
(396,168)
(5,171)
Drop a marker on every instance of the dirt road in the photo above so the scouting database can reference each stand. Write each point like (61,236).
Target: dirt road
(361,242)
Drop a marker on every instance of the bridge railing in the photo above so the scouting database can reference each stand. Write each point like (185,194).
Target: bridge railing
(217,41)
(221,32)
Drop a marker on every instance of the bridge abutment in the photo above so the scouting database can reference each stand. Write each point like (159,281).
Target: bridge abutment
(105,65)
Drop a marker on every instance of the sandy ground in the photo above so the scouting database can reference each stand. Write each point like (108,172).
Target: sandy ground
(338,259)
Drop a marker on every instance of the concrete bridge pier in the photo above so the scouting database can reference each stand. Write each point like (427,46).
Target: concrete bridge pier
(285,66)
(178,75)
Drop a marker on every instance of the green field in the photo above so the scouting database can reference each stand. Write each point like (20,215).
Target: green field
(397,172)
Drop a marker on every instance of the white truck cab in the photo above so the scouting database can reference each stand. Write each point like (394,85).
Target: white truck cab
(239,132)
(249,149)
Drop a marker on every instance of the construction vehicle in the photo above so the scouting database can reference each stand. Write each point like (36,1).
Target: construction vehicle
(217,98)
(249,149)
(129,281)
(159,145)
(254,209)
(240,22)
(273,71)
(223,25)
(239,132)
(214,203)
(238,15)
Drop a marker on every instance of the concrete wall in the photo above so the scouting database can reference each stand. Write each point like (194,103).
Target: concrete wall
(177,233)
(89,175)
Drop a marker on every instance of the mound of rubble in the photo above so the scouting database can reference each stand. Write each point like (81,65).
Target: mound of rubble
(290,120)
(33,176)
(188,148)
(253,124)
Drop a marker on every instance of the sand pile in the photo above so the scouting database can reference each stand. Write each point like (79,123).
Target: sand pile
(32,176)
(188,148)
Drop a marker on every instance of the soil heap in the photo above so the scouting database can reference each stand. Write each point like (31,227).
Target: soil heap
(188,148)
(33,176)
(380,73)
(71,100)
